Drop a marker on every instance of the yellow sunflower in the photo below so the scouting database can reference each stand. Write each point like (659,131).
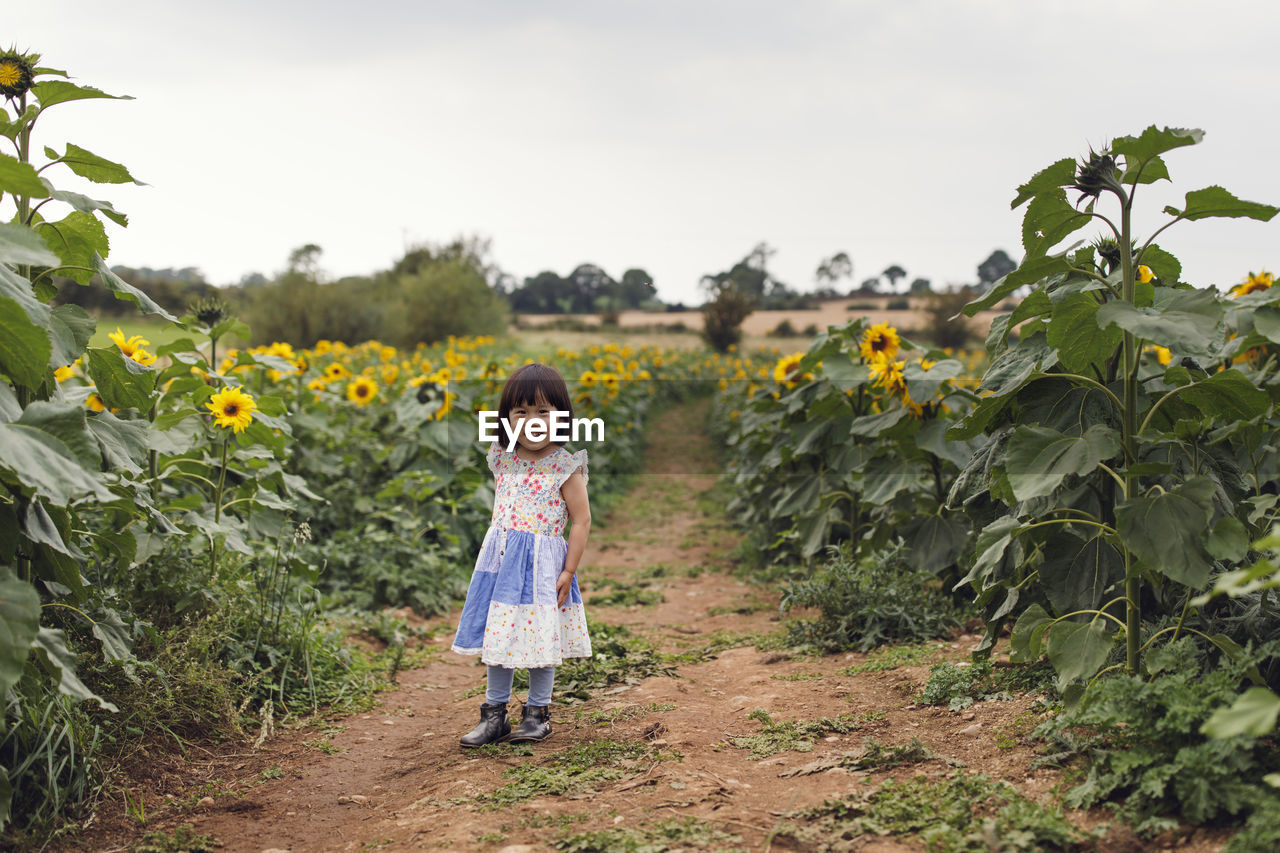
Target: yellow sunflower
(62,374)
(131,345)
(888,375)
(336,371)
(362,391)
(1261,280)
(95,402)
(588,379)
(143,357)
(233,408)
(880,341)
(1145,274)
(785,370)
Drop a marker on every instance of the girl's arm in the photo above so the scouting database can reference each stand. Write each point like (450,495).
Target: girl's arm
(574,492)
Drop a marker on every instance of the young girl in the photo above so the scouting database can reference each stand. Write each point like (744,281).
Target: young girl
(523,608)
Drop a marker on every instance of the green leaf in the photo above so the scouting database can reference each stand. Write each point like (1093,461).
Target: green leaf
(38,526)
(1217,202)
(1024,640)
(87,205)
(76,239)
(885,477)
(1183,320)
(1049,219)
(124,444)
(1152,142)
(1011,370)
(21,245)
(70,329)
(20,178)
(100,170)
(1039,459)
(1253,713)
(19,622)
(1266,322)
(50,92)
(935,543)
(65,422)
(1078,650)
(51,644)
(1166,267)
(43,462)
(127,292)
(1059,174)
(24,346)
(1076,572)
(1164,530)
(1227,394)
(1074,333)
(1228,540)
(122,382)
(1032,269)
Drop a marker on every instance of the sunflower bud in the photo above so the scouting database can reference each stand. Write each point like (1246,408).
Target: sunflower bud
(1096,174)
(15,74)
(209,311)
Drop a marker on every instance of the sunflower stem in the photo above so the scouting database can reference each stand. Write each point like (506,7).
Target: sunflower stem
(217,508)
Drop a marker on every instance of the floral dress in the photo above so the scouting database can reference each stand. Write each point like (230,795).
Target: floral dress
(511,617)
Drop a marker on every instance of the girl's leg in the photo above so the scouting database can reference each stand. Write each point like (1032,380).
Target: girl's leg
(499,688)
(540,684)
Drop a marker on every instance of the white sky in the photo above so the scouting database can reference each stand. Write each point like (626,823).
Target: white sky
(667,135)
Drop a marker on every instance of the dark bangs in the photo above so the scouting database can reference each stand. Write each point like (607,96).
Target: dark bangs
(525,386)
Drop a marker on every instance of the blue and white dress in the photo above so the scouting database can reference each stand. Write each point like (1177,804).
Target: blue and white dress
(510,617)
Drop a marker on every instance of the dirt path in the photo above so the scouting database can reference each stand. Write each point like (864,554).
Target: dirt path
(652,758)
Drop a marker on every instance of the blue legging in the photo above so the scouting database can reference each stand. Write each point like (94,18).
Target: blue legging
(540,681)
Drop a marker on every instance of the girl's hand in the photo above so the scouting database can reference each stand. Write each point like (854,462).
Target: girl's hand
(563,584)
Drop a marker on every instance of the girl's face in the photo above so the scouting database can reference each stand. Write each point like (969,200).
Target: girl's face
(540,410)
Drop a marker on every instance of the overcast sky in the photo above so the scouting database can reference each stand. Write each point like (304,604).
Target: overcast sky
(666,135)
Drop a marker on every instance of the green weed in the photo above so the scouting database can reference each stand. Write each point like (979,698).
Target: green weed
(609,716)
(958,685)
(183,839)
(578,770)
(964,814)
(623,594)
(797,735)
(673,834)
(893,657)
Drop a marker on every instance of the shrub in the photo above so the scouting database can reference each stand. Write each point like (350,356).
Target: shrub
(723,316)
(865,602)
(784,329)
(938,310)
(1141,738)
(898,305)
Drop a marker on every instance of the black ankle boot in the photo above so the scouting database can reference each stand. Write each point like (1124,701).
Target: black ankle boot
(535,725)
(493,727)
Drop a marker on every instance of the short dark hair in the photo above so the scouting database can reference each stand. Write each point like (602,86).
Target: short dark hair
(525,386)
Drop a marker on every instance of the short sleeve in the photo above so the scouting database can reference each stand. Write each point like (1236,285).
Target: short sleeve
(492,457)
(576,461)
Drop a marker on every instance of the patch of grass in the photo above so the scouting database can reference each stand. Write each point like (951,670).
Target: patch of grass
(183,839)
(797,735)
(745,609)
(719,641)
(875,755)
(617,657)
(501,750)
(798,676)
(959,685)
(609,716)
(576,771)
(680,833)
(963,814)
(623,594)
(657,570)
(892,657)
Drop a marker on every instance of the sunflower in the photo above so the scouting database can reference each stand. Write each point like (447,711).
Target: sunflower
(1145,274)
(785,372)
(610,381)
(588,379)
(233,408)
(888,375)
(143,357)
(1162,354)
(336,371)
(1261,280)
(62,374)
(15,74)
(93,401)
(362,391)
(131,345)
(880,341)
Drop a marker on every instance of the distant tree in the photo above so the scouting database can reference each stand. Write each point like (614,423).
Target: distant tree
(997,265)
(636,288)
(921,285)
(869,286)
(834,268)
(593,288)
(306,260)
(893,272)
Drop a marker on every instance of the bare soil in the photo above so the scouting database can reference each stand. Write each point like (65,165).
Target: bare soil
(397,778)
